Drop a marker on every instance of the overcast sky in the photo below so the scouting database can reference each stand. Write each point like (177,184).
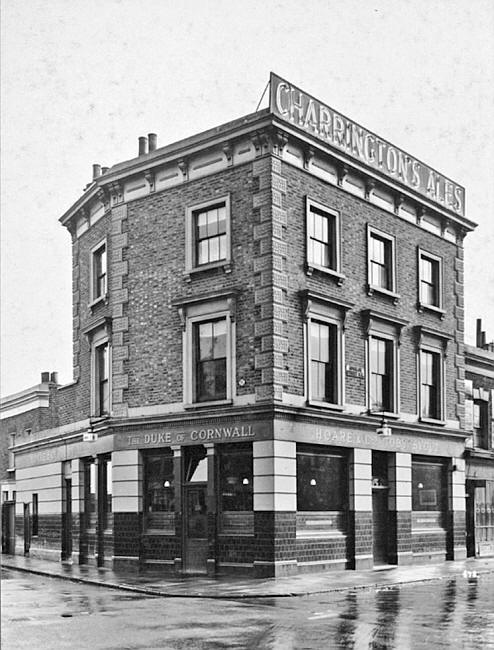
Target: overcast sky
(82,79)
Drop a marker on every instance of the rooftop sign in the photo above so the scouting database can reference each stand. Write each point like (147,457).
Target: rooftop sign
(300,109)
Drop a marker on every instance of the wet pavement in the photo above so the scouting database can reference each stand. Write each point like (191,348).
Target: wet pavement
(156,583)
(41,613)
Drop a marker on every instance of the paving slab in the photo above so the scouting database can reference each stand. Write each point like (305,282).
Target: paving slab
(154,583)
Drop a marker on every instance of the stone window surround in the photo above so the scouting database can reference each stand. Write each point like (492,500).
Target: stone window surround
(190,243)
(423,254)
(391,242)
(198,309)
(311,266)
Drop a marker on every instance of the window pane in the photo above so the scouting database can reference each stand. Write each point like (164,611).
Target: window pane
(214,249)
(381,374)
(205,341)
(428,486)
(203,252)
(321,482)
(236,479)
(159,490)
(219,343)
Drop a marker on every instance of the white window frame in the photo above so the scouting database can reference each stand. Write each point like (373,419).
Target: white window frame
(98,339)
(311,265)
(199,311)
(422,306)
(379,326)
(323,310)
(93,297)
(190,241)
(391,240)
(436,346)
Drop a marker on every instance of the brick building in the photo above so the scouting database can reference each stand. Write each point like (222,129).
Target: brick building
(479,401)
(268,356)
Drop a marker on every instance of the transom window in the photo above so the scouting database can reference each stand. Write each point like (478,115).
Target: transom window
(99,272)
(381,374)
(430,381)
(323,361)
(210,344)
(210,234)
(429,280)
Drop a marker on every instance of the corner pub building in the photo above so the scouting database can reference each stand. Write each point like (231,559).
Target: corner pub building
(268,358)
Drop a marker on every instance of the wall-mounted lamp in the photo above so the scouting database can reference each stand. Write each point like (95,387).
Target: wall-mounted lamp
(166,484)
(420,486)
(313,481)
(245,481)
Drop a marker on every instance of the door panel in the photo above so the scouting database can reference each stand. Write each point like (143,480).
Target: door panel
(380,525)
(196,528)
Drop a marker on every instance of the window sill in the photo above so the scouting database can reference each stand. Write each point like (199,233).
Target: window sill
(199,405)
(422,307)
(336,275)
(388,415)
(226,265)
(435,421)
(372,289)
(325,405)
(99,300)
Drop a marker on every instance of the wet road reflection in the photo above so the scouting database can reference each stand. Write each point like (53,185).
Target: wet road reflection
(45,613)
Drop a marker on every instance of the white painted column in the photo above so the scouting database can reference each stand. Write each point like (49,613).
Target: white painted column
(360,502)
(127,481)
(400,505)
(457,506)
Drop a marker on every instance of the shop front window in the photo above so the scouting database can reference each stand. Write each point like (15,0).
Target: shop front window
(429,491)
(235,479)
(159,489)
(321,480)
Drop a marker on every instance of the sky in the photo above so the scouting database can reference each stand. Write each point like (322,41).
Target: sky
(82,79)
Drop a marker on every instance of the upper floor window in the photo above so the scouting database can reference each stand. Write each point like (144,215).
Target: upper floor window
(323,241)
(98,272)
(381,374)
(323,361)
(480,424)
(381,262)
(432,353)
(325,349)
(430,385)
(383,362)
(430,281)
(101,379)
(210,360)
(208,347)
(208,235)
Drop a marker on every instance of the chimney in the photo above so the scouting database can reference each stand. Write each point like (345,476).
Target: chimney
(478,340)
(153,139)
(104,170)
(54,378)
(143,146)
(45,377)
(96,171)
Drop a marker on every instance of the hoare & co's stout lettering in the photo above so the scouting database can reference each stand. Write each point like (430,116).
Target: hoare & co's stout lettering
(304,111)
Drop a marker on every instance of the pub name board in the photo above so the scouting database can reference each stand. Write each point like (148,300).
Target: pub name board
(300,109)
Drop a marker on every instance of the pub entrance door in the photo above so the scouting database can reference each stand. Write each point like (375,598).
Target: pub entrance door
(66,518)
(8,527)
(195,534)
(380,507)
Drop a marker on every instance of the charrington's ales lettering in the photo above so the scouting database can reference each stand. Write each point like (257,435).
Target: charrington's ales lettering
(298,108)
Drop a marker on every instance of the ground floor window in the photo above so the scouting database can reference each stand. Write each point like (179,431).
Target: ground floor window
(321,479)
(235,480)
(159,490)
(429,493)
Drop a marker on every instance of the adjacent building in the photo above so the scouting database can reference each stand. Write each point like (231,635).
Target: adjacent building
(268,348)
(479,360)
